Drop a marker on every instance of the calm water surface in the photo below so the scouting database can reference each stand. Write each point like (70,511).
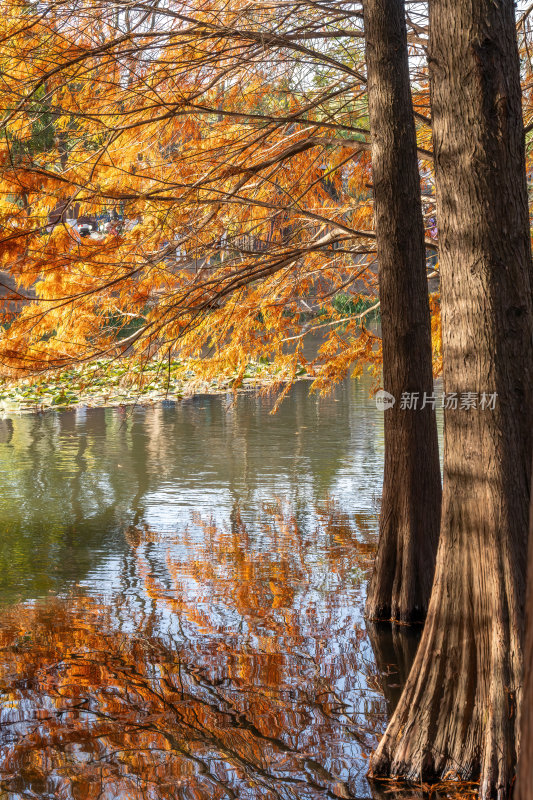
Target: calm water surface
(181,593)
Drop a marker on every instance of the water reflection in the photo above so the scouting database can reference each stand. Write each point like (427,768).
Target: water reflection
(241,669)
(394,648)
(181,601)
(72,482)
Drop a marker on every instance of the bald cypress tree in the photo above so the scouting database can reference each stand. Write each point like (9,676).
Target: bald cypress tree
(458,713)
(400,586)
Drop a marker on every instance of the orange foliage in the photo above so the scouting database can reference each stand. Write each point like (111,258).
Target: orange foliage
(233,141)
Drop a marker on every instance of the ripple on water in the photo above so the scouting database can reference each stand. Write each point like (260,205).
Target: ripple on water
(181,595)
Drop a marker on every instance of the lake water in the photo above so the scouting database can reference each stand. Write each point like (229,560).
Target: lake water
(181,597)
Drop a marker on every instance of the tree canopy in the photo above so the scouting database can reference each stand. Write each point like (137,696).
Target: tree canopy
(229,143)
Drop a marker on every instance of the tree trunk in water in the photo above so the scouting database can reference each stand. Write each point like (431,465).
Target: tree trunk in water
(410,511)
(458,713)
(524,786)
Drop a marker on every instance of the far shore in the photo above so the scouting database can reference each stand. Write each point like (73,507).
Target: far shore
(116,384)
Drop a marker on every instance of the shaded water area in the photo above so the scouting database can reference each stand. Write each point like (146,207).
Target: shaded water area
(181,600)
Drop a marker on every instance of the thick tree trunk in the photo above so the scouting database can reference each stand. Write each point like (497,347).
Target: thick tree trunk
(524,786)
(410,512)
(458,713)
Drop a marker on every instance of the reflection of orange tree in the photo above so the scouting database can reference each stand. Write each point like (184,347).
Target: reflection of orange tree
(242,695)
(234,555)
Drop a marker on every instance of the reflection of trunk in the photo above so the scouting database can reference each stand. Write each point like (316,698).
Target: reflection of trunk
(524,786)
(394,649)
(410,513)
(458,713)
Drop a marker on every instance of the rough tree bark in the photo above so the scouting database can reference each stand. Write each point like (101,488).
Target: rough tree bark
(458,713)
(524,785)
(400,586)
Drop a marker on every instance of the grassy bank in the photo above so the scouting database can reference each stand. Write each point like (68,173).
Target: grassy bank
(113,383)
